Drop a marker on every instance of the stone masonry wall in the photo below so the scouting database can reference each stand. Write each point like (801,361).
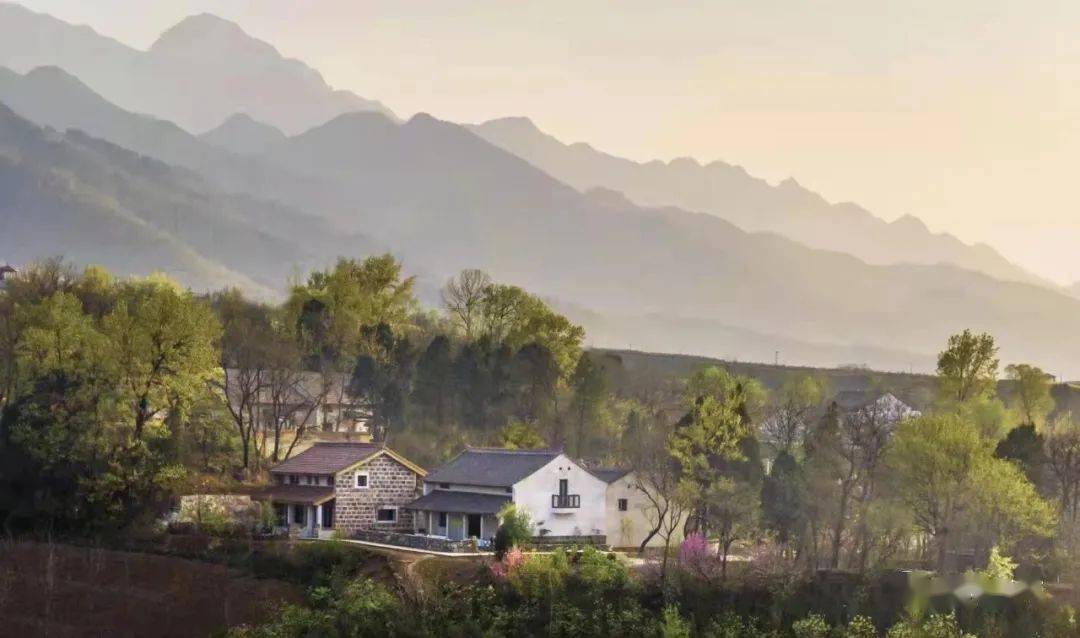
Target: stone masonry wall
(390,484)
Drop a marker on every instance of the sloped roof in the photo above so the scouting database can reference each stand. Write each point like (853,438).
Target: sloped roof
(609,474)
(326,458)
(459,501)
(494,467)
(307,494)
(855,399)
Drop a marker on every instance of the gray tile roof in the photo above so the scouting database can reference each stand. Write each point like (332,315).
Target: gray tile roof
(855,399)
(494,467)
(609,475)
(326,458)
(460,502)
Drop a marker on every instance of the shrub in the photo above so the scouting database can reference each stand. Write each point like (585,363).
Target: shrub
(813,626)
(502,542)
(502,569)
(672,625)
(935,626)
(860,627)
(515,526)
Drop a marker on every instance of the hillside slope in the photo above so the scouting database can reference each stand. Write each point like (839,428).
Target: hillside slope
(449,199)
(92,202)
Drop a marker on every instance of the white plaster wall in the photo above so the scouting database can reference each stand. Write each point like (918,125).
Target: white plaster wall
(629,528)
(533,493)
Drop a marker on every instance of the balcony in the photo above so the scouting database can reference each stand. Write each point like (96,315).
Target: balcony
(565,501)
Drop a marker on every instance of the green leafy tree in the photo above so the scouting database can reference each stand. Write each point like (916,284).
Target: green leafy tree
(1025,446)
(947,476)
(519,435)
(163,342)
(706,439)
(333,308)
(968,366)
(783,493)
(933,460)
(1031,392)
(433,388)
(589,384)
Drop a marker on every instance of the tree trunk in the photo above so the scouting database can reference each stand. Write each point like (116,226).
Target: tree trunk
(943,551)
(838,528)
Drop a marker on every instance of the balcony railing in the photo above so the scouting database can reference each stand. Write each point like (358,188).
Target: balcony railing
(564,501)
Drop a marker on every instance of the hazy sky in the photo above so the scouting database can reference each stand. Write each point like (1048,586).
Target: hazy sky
(963,113)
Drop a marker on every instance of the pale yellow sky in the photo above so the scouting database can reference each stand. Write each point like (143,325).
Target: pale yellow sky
(963,113)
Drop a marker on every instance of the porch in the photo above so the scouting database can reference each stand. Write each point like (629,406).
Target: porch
(458,515)
(307,511)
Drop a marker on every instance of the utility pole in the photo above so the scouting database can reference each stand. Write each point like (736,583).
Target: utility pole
(776,358)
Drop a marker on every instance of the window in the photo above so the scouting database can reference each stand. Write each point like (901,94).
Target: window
(442,519)
(362,480)
(294,479)
(622,505)
(386,515)
(444,486)
(307,478)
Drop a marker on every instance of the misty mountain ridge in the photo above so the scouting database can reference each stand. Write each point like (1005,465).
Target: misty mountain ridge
(96,203)
(242,134)
(442,198)
(198,73)
(753,204)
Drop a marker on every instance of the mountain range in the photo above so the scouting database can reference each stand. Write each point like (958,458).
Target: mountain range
(94,202)
(753,204)
(251,202)
(196,74)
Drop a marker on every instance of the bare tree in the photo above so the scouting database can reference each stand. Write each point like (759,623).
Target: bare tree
(292,401)
(796,404)
(463,296)
(240,387)
(1063,459)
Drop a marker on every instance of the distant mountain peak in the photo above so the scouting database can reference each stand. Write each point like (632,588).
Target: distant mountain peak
(54,75)
(241,133)
(519,123)
(201,29)
(910,222)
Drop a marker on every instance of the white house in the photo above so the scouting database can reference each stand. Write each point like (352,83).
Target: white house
(629,515)
(883,407)
(461,499)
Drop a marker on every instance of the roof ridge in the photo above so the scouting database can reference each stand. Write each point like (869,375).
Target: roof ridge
(504,450)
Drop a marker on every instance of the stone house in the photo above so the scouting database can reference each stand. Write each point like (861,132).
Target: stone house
(344,487)
(461,499)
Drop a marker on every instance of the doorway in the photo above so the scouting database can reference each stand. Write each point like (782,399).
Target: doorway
(474,525)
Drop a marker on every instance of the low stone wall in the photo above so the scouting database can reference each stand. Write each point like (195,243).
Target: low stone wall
(563,541)
(415,541)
